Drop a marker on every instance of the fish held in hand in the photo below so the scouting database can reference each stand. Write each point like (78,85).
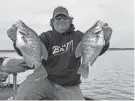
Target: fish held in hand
(31,48)
(91,46)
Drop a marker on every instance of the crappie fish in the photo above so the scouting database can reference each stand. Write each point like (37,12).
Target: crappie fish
(91,46)
(31,48)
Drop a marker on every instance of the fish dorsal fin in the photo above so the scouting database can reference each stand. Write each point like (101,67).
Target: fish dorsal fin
(44,52)
(78,51)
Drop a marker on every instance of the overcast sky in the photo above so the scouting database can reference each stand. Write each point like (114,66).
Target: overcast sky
(119,14)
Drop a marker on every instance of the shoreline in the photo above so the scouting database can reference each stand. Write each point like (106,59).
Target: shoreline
(7,51)
(110,49)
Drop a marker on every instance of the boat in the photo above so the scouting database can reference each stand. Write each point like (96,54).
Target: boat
(6,92)
(9,90)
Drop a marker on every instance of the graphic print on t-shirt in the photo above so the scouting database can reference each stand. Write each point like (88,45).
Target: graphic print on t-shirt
(58,50)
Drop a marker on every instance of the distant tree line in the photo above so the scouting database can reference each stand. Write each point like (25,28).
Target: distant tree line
(118,49)
(7,50)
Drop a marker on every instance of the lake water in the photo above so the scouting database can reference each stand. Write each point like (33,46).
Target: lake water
(111,77)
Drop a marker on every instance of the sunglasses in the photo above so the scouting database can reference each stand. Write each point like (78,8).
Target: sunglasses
(58,17)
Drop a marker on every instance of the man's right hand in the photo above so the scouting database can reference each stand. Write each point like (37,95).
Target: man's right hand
(11,32)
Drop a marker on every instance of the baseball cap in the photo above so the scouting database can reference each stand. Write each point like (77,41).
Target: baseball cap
(60,10)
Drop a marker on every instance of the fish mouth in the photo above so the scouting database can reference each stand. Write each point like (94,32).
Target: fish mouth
(99,27)
(97,32)
(23,33)
(22,36)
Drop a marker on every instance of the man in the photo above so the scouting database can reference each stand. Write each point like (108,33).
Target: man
(62,81)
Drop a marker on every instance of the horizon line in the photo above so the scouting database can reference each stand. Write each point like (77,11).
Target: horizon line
(109,49)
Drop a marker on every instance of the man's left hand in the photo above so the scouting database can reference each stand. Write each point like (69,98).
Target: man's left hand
(107,33)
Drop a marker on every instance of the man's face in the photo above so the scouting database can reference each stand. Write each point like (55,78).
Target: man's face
(61,23)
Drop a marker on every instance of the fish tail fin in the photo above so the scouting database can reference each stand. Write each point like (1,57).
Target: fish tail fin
(40,72)
(84,70)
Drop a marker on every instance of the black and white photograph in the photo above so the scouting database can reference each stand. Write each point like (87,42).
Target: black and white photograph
(67,50)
